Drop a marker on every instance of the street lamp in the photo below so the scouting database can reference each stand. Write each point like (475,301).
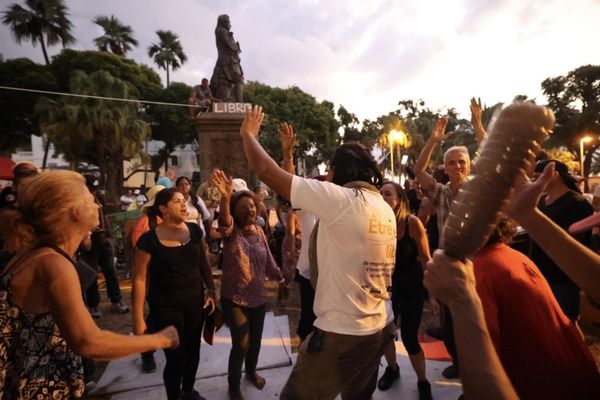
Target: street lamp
(585,139)
(395,137)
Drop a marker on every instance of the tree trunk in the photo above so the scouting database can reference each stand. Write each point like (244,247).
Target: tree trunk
(166,158)
(46,150)
(114,177)
(103,168)
(47,143)
(587,164)
(41,39)
(167,74)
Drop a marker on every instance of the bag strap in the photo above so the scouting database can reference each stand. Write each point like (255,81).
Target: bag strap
(312,247)
(26,257)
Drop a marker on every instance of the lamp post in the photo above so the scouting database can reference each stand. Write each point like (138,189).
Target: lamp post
(399,137)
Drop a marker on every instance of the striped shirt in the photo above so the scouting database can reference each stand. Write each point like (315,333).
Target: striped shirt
(441,197)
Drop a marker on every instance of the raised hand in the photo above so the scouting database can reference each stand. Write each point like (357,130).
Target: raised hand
(253,119)
(438,133)
(222,182)
(287,137)
(527,194)
(476,111)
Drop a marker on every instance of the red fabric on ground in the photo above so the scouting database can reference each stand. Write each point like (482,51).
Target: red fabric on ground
(433,349)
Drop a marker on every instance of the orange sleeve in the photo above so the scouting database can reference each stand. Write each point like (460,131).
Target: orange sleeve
(140,227)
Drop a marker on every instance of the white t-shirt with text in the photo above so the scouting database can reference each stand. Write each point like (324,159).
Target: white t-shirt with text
(356,247)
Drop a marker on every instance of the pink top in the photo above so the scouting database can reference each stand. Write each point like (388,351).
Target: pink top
(246,267)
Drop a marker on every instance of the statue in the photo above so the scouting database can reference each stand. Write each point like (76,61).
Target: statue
(228,72)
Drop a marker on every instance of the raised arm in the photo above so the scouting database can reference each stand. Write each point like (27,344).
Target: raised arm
(476,113)
(287,138)
(437,135)
(261,163)
(580,264)
(79,329)
(481,372)
(224,185)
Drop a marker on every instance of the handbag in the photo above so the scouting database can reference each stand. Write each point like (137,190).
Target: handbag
(212,323)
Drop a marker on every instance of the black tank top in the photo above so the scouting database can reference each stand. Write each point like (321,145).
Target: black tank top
(174,277)
(407,255)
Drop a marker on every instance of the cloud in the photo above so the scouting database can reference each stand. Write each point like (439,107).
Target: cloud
(366,55)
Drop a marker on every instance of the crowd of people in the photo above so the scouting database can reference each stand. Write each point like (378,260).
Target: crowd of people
(365,252)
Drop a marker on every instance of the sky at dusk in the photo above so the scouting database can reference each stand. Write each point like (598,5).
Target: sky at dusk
(366,55)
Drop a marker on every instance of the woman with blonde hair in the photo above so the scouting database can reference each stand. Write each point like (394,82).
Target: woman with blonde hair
(44,322)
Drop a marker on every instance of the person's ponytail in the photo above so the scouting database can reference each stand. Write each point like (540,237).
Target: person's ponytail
(16,232)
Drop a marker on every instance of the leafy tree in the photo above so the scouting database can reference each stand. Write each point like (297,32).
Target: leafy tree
(564,156)
(102,132)
(17,120)
(143,78)
(168,53)
(171,124)
(41,21)
(314,122)
(575,100)
(117,37)
(416,121)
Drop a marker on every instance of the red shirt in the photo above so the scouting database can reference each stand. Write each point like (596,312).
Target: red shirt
(541,350)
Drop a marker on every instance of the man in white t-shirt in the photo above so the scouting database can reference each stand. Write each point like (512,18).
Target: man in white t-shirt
(356,244)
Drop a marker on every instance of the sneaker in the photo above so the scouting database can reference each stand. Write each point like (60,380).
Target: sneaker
(120,308)
(191,395)
(96,314)
(148,364)
(424,390)
(388,377)
(450,372)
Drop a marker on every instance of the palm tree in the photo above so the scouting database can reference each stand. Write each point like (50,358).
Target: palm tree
(168,52)
(43,21)
(117,37)
(104,132)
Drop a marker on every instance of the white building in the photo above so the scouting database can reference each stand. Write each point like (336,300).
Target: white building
(183,161)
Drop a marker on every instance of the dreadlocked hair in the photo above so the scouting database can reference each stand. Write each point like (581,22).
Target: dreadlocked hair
(353,162)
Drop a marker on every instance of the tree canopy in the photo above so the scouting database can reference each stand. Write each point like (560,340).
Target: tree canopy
(143,78)
(42,21)
(101,132)
(17,120)
(575,100)
(171,124)
(117,37)
(315,123)
(168,52)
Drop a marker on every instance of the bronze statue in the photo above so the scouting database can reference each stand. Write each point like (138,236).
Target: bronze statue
(228,72)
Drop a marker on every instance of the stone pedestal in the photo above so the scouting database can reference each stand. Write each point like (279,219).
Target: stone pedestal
(220,146)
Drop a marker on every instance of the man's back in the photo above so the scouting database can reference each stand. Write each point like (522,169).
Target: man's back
(356,254)
(540,348)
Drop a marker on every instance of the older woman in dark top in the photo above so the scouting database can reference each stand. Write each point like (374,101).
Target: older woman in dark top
(247,263)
